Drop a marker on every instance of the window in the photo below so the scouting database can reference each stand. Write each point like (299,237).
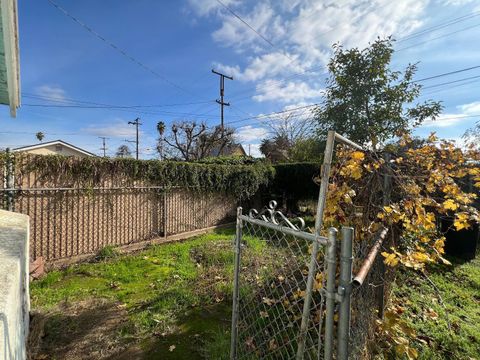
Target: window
(58,147)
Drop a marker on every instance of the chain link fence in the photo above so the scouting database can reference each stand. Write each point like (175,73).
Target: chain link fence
(273,272)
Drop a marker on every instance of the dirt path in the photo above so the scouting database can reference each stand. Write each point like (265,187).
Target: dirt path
(92,329)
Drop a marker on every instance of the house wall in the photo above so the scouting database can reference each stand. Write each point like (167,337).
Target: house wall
(14,291)
(52,150)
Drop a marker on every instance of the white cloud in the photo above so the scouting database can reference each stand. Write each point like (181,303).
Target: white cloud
(286,93)
(118,128)
(270,64)
(53,92)
(249,133)
(205,7)
(249,136)
(470,108)
(457,2)
(235,33)
(444,120)
(302,33)
(254,150)
(452,119)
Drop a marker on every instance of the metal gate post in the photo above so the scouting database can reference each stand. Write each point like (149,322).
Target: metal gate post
(344,292)
(387,185)
(9,181)
(238,248)
(330,292)
(322,197)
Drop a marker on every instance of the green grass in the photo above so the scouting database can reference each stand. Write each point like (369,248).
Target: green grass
(164,290)
(451,330)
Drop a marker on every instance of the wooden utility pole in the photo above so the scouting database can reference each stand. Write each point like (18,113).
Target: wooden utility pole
(222,93)
(104,147)
(137,123)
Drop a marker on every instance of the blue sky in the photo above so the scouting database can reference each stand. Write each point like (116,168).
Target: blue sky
(182,40)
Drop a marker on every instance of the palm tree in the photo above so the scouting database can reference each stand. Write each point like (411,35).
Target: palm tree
(161,131)
(40,136)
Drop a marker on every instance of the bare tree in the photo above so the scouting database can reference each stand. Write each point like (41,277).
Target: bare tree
(192,141)
(472,135)
(291,127)
(123,151)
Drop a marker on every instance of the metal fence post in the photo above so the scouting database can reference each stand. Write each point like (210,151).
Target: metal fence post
(325,177)
(344,290)
(238,249)
(331,260)
(165,215)
(9,181)
(387,180)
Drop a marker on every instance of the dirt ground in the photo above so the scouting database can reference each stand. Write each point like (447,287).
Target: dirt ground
(98,329)
(89,329)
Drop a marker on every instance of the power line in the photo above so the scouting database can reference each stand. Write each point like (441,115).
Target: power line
(431,29)
(451,82)
(438,37)
(446,74)
(70,100)
(261,116)
(439,26)
(174,113)
(122,52)
(254,30)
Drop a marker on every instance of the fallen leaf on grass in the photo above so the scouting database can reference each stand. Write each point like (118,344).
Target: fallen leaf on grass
(171,348)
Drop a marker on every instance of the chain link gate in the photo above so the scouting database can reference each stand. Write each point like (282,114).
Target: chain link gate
(279,302)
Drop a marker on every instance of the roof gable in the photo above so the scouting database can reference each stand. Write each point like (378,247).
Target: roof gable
(55,142)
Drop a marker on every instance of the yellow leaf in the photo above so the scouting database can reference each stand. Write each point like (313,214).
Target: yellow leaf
(388,209)
(420,257)
(390,259)
(461,221)
(449,204)
(358,155)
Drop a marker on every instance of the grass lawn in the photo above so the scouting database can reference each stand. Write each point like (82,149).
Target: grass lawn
(170,301)
(445,315)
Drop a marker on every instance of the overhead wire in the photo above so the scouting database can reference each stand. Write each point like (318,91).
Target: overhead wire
(439,26)
(118,49)
(438,37)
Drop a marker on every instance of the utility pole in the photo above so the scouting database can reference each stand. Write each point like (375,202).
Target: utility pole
(222,93)
(136,122)
(104,147)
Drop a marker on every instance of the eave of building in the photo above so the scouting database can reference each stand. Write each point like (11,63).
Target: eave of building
(9,56)
(55,142)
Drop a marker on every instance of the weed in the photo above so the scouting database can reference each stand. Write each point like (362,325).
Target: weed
(107,252)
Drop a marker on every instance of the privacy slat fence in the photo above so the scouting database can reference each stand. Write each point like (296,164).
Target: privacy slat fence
(66,223)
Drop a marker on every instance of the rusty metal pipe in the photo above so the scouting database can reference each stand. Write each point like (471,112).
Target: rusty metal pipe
(367,264)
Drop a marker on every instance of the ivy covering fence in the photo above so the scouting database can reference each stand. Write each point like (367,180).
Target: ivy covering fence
(78,206)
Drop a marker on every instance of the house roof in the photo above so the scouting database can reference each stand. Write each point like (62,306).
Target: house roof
(9,56)
(228,150)
(54,142)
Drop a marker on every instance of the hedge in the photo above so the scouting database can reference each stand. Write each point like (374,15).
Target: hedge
(296,180)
